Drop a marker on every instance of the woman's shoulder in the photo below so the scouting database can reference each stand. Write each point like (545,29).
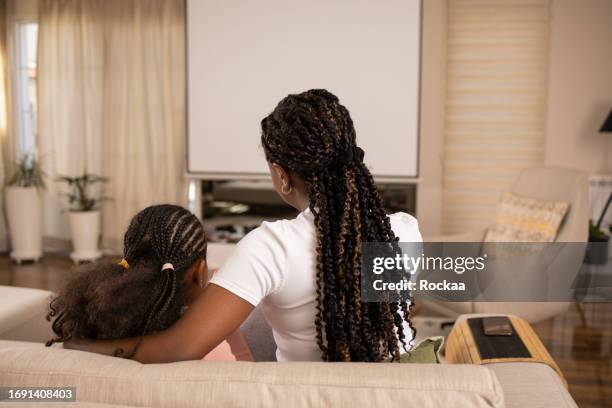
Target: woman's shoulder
(299,226)
(405,227)
(277,233)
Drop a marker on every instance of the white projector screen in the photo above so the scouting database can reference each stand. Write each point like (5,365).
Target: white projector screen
(244,56)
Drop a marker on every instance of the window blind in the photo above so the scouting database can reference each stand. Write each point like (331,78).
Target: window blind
(497,76)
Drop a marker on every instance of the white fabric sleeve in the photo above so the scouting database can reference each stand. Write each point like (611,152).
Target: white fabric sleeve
(405,227)
(255,268)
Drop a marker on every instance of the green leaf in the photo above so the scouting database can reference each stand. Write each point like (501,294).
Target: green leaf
(27,172)
(81,198)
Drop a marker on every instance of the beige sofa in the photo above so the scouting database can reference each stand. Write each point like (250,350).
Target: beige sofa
(102,381)
(118,382)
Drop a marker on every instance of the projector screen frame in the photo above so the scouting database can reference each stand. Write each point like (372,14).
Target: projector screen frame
(228,175)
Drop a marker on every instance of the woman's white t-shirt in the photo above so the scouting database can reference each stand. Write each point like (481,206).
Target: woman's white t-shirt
(274,267)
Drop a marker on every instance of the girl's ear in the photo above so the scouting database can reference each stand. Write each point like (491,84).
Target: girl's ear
(200,273)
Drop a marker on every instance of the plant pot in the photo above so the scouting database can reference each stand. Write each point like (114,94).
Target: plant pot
(24,213)
(85,229)
(597,251)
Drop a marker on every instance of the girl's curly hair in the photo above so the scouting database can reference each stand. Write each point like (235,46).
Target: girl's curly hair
(312,134)
(106,300)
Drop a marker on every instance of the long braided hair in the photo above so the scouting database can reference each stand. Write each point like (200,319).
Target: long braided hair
(313,135)
(146,293)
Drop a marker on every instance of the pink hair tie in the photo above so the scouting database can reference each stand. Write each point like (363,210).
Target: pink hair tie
(167,266)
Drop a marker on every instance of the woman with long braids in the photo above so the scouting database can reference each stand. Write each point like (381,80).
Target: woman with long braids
(304,273)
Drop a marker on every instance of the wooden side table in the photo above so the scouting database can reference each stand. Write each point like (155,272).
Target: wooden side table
(462,347)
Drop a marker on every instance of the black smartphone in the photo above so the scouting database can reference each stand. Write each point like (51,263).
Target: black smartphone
(497,326)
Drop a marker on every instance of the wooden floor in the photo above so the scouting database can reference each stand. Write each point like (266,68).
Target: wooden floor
(582,346)
(580,340)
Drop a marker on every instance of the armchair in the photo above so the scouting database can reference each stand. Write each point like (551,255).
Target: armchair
(542,183)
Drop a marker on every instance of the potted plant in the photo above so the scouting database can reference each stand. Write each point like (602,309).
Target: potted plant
(24,209)
(597,248)
(84,215)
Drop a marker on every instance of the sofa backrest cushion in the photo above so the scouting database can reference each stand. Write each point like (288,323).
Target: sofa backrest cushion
(101,379)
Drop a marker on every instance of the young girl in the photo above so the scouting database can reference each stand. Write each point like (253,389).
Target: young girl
(162,272)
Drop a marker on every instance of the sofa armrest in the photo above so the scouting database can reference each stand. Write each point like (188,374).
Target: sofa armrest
(531,385)
(23,314)
(527,383)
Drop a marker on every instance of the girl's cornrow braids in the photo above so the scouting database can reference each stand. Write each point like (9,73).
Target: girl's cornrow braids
(170,230)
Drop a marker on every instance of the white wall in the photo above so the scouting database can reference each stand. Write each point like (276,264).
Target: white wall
(580,85)
(579,96)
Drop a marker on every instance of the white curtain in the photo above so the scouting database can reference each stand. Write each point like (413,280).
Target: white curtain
(112,102)
(70,93)
(144,105)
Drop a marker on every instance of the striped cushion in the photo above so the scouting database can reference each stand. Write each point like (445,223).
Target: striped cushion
(522,219)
